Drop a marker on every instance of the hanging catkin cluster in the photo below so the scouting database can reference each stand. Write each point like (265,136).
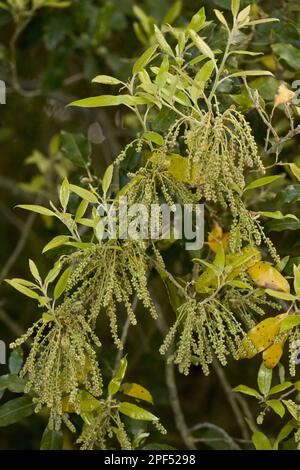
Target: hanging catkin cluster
(212,328)
(108,274)
(61,361)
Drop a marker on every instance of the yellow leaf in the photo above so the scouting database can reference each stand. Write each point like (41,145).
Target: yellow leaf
(272,355)
(261,336)
(266,276)
(216,237)
(137,391)
(182,169)
(206,281)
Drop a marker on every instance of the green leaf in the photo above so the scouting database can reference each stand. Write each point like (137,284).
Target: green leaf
(173,13)
(244,15)
(280,388)
(260,441)
(53,273)
(297,280)
(264,379)
(235,7)
(56,242)
(115,383)
(295,170)
(165,47)
(154,137)
(289,322)
(219,260)
(38,209)
(197,21)
(64,194)
(262,21)
(250,53)
(24,290)
(281,225)
(84,194)
(201,45)
(12,382)
(109,100)
(249,73)
(99,230)
(247,391)
(34,271)
(285,431)
(16,410)
(221,18)
(51,440)
(278,215)
(62,283)
(262,182)
(289,53)
(239,284)
(76,148)
(277,407)
(106,80)
(81,209)
(135,412)
(280,295)
(107,178)
(15,360)
(137,391)
(144,59)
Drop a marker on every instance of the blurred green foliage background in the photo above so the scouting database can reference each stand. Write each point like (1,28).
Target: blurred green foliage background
(47,65)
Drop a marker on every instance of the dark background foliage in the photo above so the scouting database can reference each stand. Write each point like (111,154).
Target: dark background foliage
(57,55)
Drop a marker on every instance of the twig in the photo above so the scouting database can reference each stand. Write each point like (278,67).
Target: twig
(214,427)
(231,399)
(20,245)
(178,414)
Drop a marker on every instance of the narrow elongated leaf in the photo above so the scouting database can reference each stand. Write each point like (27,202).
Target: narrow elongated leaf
(38,209)
(262,182)
(136,412)
(107,178)
(247,391)
(34,271)
(165,47)
(51,440)
(109,100)
(173,12)
(56,242)
(21,288)
(137,391)
(106,80)
(235,7)
(281,295)
(197,21)
(84,194)
(201,45)
(280,387)
(62,283)
(144,59)
(16,410)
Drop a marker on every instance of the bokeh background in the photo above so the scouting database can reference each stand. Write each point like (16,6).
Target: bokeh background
(45,65)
